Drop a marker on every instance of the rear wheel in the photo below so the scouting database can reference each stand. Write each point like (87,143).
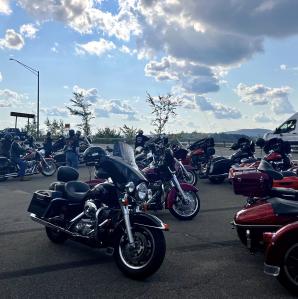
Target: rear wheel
(288,276)
(186,209)
(216,180)
(145,256)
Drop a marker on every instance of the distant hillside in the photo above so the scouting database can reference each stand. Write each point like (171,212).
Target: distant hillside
(250,132)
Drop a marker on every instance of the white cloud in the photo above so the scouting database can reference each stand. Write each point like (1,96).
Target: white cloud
(91,95)
(95,47)
(29,30)
(219,110)
(12,40)
(55,111)
(263,118)
(285,67)
(10,98)
(260,94)
(4,7)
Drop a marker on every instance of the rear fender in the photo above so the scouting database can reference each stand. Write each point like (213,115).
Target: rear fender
(173,193)
(280,242)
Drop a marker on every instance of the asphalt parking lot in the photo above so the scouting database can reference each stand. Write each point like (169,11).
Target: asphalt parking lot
(204,257)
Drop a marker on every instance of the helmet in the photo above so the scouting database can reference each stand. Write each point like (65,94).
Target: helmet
(140,132)
(71,132)
(7,137)
(93,154)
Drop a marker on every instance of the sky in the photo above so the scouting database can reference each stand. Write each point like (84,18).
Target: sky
(233,63)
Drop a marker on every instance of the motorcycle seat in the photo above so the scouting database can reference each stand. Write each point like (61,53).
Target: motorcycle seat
(58,186)
(76,191)
(284,207)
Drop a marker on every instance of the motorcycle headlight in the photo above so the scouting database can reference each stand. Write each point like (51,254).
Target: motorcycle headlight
(142,191)
(130,187)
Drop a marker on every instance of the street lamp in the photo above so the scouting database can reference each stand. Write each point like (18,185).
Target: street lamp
(36,73)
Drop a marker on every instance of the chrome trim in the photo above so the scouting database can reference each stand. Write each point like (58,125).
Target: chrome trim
(254,225)
(157,227)
(271,270)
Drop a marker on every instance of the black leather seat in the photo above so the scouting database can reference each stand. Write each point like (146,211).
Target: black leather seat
(284,207)
(76,191)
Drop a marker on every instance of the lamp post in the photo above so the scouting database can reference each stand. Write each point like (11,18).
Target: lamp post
(36,73)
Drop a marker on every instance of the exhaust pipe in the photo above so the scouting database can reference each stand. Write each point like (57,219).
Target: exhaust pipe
(53,226)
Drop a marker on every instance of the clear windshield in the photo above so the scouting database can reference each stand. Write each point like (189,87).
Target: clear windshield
(125,152)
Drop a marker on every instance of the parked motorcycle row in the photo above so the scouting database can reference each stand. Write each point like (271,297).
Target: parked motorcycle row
(113,209)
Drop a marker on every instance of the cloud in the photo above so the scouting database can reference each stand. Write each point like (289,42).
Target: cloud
(219,110)
(95,47)
(106,108)
(12,40)
(260,94)
(124,49)
(4,7)
(29,30)
(91,95)
(9,98)
(263,118)
(55,111)
(285,67)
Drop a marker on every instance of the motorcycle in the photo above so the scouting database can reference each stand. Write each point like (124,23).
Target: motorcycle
(35,164)
(277,154)
(107,216)
(282,255)
(166,191)
(267,208)
(218,168)
(200,155)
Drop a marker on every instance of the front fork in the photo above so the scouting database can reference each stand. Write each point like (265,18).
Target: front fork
(176,184)
(125,212)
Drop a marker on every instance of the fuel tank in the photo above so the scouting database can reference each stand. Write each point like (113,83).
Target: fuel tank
(151,174)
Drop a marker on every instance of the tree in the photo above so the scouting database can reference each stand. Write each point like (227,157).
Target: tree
(30,129)
(129,132)
(163,107)
(55,127)
(80,107)
(107,133)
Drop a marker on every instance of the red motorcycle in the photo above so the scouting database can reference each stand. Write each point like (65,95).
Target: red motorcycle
(267,209)
(166,191)
(281,259)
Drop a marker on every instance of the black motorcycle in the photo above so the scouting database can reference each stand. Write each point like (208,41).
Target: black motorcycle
(218,168)
(107,216)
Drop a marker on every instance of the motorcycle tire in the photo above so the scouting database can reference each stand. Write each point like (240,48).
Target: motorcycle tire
(215,180)
(146,238)
(288,273)
(192,177)
(55,236)
(174,210)
(53,167)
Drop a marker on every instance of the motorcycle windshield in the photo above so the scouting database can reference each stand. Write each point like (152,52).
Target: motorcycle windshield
(121,167)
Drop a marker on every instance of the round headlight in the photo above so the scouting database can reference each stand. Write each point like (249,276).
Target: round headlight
(130,187)
(142,191)
(90,209)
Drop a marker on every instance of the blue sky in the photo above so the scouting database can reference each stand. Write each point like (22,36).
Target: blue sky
(234,63)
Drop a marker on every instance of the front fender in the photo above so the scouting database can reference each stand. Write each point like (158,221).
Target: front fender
(143,219)
(173,193)
(280,242)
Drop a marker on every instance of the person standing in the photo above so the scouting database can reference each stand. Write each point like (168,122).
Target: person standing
(6,145)
(15,155)
(71,150)
(141,139)
(48,145)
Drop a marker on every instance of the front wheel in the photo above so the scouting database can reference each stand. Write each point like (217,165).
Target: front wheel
(49,168)
(145,256)
(188,208)
(190,177)
(288,276)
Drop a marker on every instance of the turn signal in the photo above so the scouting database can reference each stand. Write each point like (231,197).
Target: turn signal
(125,201)
(166,226)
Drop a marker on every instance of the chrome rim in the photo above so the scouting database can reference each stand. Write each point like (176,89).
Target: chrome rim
(140,254)
(188,207)
(49,168)
(291,264)
(189,177)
